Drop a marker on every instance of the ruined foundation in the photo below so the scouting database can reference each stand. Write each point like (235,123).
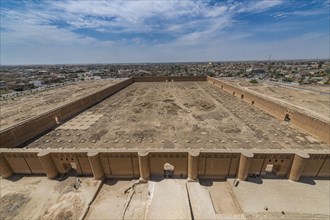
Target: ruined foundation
(187,163)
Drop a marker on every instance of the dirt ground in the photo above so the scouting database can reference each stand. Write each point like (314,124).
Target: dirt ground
(312,99)
(176,115)
(27,106)
(24,197)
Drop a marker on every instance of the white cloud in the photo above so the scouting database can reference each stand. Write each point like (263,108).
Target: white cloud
(34,29)
(303,13)
(198,32)
(222,49)
(217,11)
(259,5)
(127,13)
(135,16)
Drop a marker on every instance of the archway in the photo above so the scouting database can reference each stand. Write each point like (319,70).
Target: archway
(168,170)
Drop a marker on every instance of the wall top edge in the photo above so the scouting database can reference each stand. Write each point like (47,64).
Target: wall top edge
(177,77)
(109,150)
(303,155)
(174,78)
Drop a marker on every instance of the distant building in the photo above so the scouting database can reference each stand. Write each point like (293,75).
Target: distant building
(36,83)
(258,71)
(92,78)
(2,84)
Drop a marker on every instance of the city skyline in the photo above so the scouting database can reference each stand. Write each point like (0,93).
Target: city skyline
(53,32)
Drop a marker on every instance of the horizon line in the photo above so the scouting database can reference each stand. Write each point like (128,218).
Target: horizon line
(171,62)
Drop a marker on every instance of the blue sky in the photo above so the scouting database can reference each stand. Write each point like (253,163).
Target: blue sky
(51,32)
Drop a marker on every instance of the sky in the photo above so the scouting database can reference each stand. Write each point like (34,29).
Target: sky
(137,31)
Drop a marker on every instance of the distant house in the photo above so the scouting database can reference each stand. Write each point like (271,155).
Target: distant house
(258,71)
(92,78)
(36,83)
(2,84)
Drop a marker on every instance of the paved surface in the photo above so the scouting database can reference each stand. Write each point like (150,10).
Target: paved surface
(201,202)
(168,200)
(113,202)
(26,197)
(213,200)
(174,115)
(293,198)
(223,201)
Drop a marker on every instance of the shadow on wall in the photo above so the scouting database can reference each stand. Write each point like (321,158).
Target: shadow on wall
(71,172)
(16,177)
(112,182)
(254,179)
(311,180)
(209,182)
(158,178)
(305,180)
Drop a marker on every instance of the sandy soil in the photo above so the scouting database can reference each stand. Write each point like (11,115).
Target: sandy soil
(24,197)
(27,106)
(313,99)
(176,115)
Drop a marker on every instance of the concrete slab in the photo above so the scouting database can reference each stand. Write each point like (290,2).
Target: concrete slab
(111,200)
(288,216)
(201,202)
(168,199)
(136,208)
(223,200)
(213,200)
(309,196)
(33,197)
